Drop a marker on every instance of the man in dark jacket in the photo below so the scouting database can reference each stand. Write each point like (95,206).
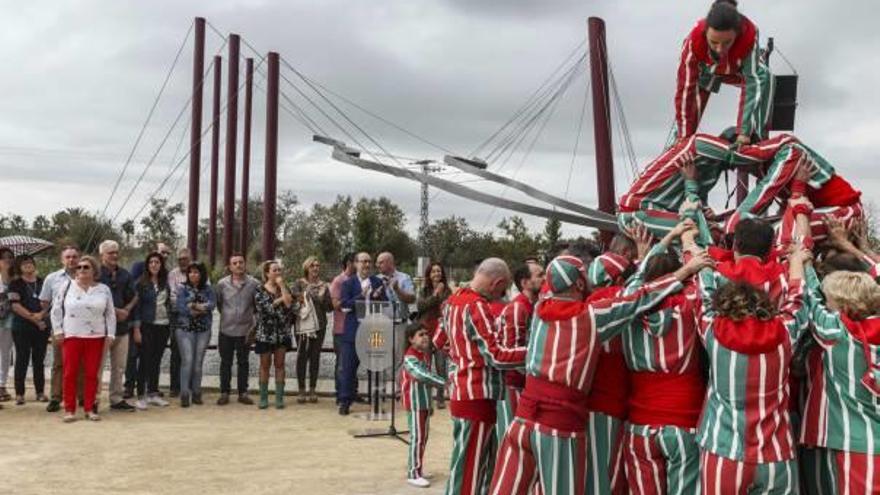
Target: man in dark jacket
(361,286)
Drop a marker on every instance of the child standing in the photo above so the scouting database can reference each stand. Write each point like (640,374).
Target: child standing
(416,396)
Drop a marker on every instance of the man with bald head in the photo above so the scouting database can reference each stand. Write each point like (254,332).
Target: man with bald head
(477,382)
(400,285)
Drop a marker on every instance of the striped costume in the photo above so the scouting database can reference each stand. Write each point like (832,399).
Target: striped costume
(745,431)
(656,196)
(477,360)
(781,157)
(700,72)
(663,353)
(546,446)
(416,379)
(842,414)
(513,326)
(607,400)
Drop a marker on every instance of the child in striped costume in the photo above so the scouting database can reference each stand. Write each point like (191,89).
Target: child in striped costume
(513,326)
(745,431)
(723,48)
(415,393)
(545,447)
(842,414)
(477,360)
(609,394)
(663,353)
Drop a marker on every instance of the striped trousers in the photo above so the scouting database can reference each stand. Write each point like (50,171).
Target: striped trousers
(605,471)
(658,222)
(722,476)
(418,437)
(506,410)
(661,461)
(473,457)
(534,459)
(835,472)
(661,222)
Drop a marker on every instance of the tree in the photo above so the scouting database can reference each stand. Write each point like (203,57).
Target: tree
(379,226)
(41,227)
(128,230)
(333,227)
(552,234)
(158,225)
(13,224)
(516,244)
(78,227)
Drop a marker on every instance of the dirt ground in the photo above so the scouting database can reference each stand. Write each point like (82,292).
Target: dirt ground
(210,449)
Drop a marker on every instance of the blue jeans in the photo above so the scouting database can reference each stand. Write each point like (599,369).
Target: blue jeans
(192,347)
(346,374)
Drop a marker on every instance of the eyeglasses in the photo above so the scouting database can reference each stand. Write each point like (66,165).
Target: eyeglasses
(83,268)
(111,253)
(364,261)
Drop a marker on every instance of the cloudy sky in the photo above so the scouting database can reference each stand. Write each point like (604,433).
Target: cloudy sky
(80,78)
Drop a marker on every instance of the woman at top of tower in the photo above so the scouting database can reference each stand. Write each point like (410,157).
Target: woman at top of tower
(723,48)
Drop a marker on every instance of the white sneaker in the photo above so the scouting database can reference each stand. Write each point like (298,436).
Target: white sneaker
(428,476)
(140,405)
(419,482)
(155,400)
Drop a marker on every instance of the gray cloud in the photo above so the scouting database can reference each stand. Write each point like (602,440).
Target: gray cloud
(83,74)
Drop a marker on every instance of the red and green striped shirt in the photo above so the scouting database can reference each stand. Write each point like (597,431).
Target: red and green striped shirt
(566,351)
(416,380)
(476,356)
(746,415)
(841,412)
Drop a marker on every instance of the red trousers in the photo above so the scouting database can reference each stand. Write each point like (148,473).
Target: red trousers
(85,353)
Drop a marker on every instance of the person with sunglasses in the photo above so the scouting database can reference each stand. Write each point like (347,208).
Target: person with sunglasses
(83,320)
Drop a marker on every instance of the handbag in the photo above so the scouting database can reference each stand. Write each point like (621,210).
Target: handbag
(307,318)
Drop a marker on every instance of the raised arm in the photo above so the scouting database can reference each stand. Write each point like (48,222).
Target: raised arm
(826,324)
(794,313)
(610,316)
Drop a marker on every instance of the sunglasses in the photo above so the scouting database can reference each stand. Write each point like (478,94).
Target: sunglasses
(83,267)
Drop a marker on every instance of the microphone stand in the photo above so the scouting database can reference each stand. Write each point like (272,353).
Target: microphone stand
(392,429)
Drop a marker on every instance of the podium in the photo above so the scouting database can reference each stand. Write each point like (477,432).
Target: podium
(380,330)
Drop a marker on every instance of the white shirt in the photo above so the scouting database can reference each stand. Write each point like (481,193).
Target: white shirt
(84,313)
(54,283)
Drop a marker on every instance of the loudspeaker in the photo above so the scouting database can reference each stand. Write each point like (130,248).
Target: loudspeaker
(784,103)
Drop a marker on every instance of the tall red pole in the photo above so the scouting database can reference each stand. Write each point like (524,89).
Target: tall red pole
(271,157)
(215,162)
(231,135)
(601,119)
(246,152)
(195,138)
